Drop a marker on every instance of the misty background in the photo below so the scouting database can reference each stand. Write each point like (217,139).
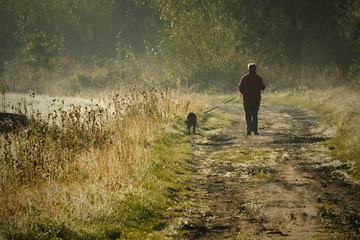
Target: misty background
(69,47)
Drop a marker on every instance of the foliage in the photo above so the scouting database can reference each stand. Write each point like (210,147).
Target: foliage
(196,43)
(200,41)
(43,28)
(37,49)
(299,32)
(206,42)
(354,20)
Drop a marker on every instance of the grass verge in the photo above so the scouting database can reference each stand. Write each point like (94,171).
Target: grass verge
(338,110)
(113,172)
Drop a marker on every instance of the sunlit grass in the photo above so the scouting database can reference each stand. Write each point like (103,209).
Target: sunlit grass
(250,156)
(339,115)
(333,226)
(101,170)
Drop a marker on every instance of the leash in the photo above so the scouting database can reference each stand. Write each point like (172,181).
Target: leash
(220,105)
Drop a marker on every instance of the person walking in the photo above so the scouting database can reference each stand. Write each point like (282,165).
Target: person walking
(250,87)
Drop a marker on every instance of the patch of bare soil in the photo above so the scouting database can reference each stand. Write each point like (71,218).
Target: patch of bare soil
(281,184)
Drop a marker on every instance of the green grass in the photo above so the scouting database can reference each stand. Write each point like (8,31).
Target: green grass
(214,120)
(300,99)
(334,226)
(249,156)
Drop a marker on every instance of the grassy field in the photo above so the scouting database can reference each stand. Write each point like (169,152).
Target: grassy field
(116,166)
(96,168)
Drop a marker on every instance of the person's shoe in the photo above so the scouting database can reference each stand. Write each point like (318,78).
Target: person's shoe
(256,133)
(248,132)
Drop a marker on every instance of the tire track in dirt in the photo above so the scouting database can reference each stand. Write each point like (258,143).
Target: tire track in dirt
(269,186)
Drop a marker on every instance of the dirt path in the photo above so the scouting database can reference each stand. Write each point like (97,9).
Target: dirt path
(279,185)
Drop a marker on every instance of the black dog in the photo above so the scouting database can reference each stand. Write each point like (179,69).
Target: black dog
(191,121)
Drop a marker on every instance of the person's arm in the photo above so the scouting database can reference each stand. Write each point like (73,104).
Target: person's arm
(241,86)
(262,84)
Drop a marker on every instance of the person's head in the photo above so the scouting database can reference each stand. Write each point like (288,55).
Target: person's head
(252,67)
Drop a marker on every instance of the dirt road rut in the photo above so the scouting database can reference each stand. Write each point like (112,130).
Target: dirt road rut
(279,185)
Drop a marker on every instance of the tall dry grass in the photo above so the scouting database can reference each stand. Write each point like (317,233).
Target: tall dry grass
(73,75)
(74,168)
(290,77)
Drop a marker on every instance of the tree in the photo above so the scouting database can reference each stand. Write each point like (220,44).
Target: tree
(200,41)
(7,29)
(354,19)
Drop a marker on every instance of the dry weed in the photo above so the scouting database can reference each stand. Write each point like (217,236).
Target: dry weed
(72,163)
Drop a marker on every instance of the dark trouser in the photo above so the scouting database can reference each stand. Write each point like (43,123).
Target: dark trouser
(251,115)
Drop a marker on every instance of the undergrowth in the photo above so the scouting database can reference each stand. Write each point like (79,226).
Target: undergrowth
(104,171)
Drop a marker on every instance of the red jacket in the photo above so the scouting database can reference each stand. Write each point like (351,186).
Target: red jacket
(250,87)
